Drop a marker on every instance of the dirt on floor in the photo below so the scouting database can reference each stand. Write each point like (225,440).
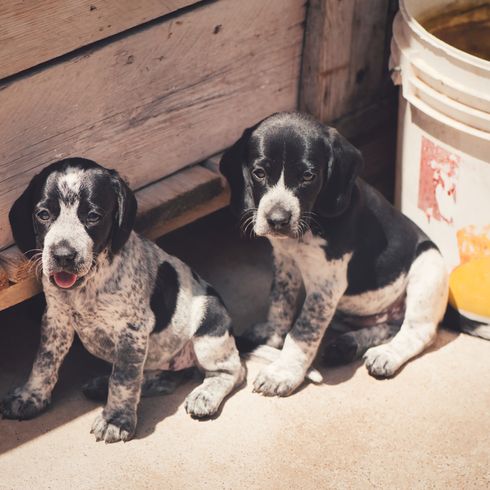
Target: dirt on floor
(429,427)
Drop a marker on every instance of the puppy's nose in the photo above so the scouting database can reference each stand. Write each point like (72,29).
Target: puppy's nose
(279,218)
(64,255)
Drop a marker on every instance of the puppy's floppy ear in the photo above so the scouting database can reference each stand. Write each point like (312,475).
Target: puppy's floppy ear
(344,164)
(233,167)
(20,217)
(125,212)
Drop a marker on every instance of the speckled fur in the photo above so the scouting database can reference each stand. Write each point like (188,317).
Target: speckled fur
(110,311)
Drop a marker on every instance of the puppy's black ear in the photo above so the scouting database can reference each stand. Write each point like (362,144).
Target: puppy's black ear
(125,213)
(233,167)
(344,164)
(20,217)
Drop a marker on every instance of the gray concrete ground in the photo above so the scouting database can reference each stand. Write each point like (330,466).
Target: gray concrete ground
(429,427)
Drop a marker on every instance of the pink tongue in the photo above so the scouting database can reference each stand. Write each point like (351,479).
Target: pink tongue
(64,279)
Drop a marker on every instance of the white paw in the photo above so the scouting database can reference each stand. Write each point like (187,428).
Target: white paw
(119,427)
(201,403)
(278,380)
(382,361)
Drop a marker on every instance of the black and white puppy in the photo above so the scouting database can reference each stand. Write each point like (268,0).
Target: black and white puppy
(368,271)
(130,303)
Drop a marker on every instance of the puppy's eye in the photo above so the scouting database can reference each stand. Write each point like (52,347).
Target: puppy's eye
(259,173)
(308,176)
(93,217)
(43,215)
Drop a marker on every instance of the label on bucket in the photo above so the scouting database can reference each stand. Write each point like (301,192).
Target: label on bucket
(439,172)
(452,193)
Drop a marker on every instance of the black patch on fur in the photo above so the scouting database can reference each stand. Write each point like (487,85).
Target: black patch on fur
(383,242)
(164,297)
(245,344)
(100,197)
(340,351)
(216,321)
(424,246)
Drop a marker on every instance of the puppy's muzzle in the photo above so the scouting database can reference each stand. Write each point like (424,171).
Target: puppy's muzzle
(66,265)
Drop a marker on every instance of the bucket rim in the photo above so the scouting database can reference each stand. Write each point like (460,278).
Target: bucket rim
(416,27)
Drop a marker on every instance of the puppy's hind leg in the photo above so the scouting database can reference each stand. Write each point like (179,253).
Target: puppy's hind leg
(427,294)
(97,388)
(352,345)
(164,382)
(216,355)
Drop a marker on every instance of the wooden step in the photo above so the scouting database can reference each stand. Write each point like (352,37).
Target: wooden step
(163,206)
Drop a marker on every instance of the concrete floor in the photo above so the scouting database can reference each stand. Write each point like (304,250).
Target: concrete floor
(429,427)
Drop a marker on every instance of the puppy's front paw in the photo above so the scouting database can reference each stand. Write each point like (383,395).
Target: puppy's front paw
(22,404)
(114,427)
(382,361)
(202,403)
(278,380)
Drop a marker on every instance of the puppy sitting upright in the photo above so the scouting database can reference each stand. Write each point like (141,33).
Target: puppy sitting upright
(368,271)
(131,304)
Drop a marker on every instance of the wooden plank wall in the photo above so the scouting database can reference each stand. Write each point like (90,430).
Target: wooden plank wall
(32,32)
(345,78)
(150,103)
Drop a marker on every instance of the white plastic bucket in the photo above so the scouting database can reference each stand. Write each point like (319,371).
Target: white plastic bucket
(443,155)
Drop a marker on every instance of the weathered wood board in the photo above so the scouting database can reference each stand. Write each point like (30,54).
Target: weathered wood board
(32,32)
(157,100)
(163,207)
(345,66)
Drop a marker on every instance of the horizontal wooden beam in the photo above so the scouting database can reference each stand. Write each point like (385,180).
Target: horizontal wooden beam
(33,32)
(163,207)
(16,293)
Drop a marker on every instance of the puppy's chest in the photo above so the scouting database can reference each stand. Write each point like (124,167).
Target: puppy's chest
(98,320)
(317,270)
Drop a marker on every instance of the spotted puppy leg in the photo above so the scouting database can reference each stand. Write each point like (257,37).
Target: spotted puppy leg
(285,288)
(324,288)
(216,355)
(117,422)
(29,400)
(427,293)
